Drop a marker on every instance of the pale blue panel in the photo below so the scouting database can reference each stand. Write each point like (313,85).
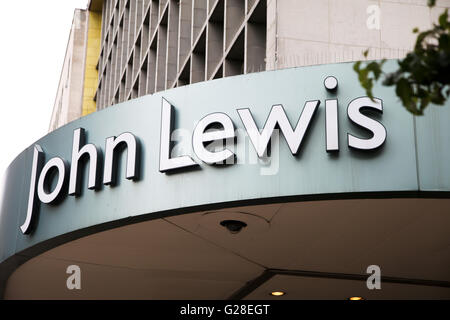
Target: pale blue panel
(433,148)
(313,173)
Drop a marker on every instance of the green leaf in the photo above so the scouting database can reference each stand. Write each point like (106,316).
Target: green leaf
(404,91)
(443,19)
(375,67)
(444,44)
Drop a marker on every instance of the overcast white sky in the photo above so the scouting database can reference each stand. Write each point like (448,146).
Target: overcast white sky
(33,35)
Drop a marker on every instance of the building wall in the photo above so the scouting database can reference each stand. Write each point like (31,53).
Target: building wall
(92,53)
(328,31)
(153,45)
(69,96)
(146,46)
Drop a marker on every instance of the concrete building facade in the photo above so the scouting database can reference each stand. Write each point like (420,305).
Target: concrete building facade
(79,76)
(310,32)
(150,46)
(147,46)
(153,45)
(68,102)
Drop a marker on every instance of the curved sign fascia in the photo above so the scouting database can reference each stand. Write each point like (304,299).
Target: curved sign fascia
(263,137)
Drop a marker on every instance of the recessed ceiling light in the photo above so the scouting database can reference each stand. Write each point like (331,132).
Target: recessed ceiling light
(277,293)
(355,298)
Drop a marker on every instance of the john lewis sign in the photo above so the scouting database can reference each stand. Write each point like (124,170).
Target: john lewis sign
(120,165)
(53,179)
